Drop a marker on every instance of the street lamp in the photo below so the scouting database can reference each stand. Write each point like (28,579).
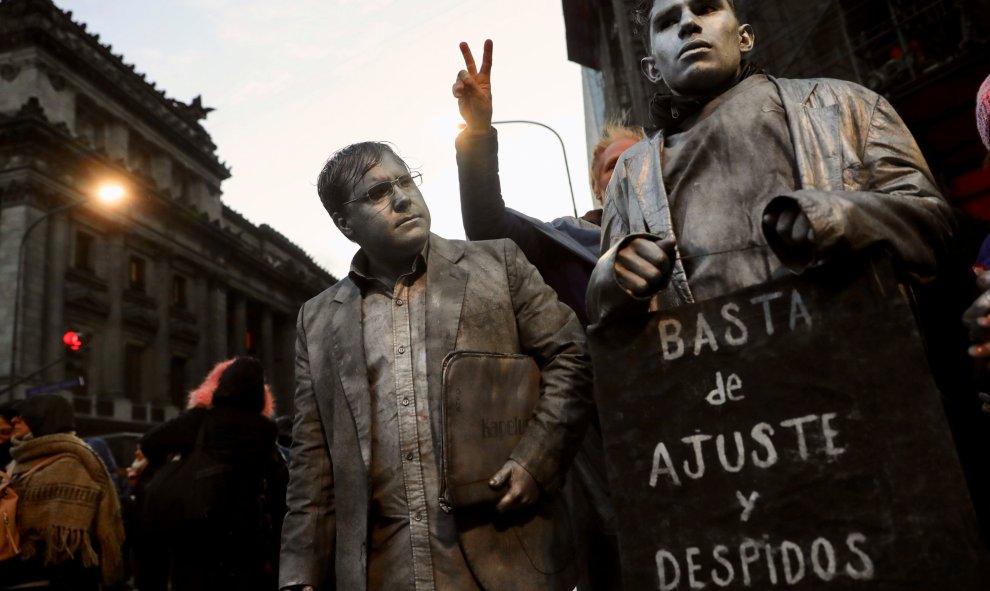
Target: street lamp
(109,193)
(563,149)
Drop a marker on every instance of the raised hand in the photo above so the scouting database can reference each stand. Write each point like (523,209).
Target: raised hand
(473,90)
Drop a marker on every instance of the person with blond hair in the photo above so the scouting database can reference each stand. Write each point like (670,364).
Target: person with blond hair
(615,139)
(564,250)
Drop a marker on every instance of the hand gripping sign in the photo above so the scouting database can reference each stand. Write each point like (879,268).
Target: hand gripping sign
(788,434)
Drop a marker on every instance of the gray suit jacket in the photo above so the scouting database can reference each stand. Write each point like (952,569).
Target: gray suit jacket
(481,296)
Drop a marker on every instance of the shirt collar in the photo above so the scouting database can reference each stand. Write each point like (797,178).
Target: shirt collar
(361,276)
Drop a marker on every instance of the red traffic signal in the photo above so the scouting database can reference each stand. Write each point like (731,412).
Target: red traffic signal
(74,340)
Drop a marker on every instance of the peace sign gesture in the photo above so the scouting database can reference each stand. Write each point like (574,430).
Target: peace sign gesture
(473,90)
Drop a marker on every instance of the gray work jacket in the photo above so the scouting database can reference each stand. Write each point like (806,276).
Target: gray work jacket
(863,181)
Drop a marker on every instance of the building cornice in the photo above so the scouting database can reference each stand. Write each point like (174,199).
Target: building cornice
(39,23)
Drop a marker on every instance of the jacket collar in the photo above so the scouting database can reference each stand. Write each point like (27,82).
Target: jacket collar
(446,282)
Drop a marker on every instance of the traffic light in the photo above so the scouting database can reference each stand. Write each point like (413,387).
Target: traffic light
(75,340)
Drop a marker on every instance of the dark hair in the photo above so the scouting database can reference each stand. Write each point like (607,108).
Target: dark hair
(10,410)
(48,414)
(641,19)
(241,385)
(344,169)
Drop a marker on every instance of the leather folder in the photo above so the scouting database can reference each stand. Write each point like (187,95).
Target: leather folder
(487,400)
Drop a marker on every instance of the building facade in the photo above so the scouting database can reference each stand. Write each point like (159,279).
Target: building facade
(163,285)
(928,57)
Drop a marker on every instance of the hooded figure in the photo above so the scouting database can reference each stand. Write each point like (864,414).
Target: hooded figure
(237,548)
(68,514)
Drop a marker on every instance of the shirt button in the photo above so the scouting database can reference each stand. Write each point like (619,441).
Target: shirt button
(419,517)
(409,456)
(405,402)
(402,349)
(399,302)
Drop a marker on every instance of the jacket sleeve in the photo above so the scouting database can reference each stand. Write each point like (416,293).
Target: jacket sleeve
(482,207)
(551,334)
(605,297)
(897,203)
(176,436)
(309,528)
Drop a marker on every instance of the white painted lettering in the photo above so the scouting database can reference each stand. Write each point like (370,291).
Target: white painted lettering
(695,442)
(748,504)
(771,565)
(660,454)
(729,313)
(733,383)
(670,338)
(798,425)
(717,397)
(825,572)
(663,559)
(719,554)
(830,433)
(793,572)
(761,434)
(704,336)
(740,453)
(799,310)
(692,568)
(865,573)
(765,299)
(749,553)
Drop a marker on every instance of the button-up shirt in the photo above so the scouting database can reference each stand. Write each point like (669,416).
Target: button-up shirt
(413,543)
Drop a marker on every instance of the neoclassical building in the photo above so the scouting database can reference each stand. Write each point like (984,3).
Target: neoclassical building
(167,282)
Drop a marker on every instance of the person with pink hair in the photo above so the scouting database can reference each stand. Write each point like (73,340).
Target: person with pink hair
(983,112)
(202,396)
(236,545)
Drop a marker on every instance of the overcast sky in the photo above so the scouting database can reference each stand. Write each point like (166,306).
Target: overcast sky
(294,80)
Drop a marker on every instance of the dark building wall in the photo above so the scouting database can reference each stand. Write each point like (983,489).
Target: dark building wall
(925,56)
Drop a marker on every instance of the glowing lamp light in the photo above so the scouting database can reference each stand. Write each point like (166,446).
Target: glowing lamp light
(73,340)
(110,193)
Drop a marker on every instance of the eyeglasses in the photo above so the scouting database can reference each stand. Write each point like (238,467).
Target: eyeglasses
(385,189)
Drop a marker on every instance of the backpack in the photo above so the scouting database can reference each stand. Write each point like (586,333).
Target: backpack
(10,537)
(190,490)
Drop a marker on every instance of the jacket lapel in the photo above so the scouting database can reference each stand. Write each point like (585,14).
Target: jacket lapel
(347,332)
(651,195)
(813,118)
(445,284)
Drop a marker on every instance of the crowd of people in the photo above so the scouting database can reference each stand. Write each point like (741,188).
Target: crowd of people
(745,178)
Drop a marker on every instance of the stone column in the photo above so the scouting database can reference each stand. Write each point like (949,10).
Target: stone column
(59,245)
(267,343)
(161,358)
(11,228)
(32,297)
(239,325)
(286,364)
(112,344)
(215,319)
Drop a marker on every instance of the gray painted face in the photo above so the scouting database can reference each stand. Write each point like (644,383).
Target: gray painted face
(696,46)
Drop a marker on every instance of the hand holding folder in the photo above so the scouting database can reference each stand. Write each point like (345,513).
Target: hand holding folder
(487,400)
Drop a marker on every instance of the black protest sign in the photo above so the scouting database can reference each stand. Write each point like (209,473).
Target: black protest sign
(788,434)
